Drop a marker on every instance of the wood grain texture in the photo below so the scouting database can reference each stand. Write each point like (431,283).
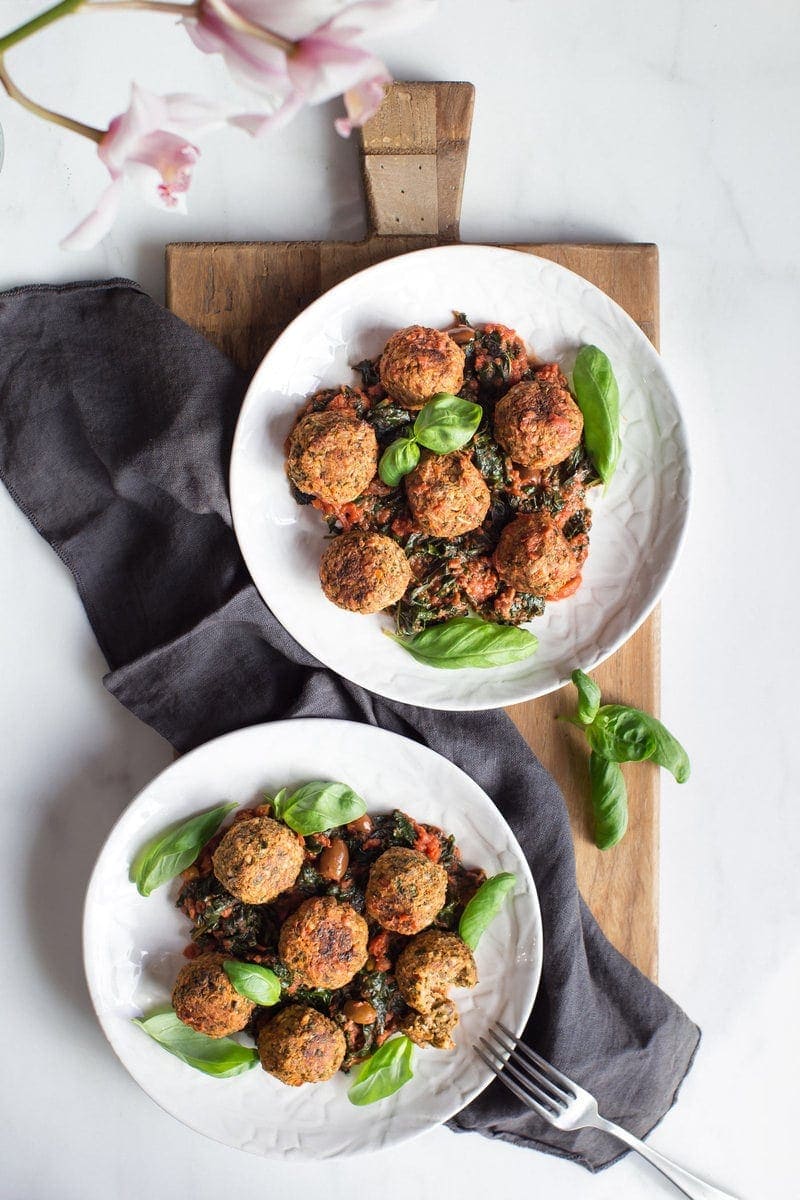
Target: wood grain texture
(241,295)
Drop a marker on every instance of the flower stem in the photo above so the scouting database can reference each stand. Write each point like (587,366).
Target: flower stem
(161,6)
(46,114)
(237,21)
(36,23)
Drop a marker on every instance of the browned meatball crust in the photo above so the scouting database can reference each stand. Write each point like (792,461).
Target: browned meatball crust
(257,860)
(332,455)
(538,423)
(364,572)
(417,363)
(205,999)
(300,1045)
(432,963)
(447,495)
(405,890)
(534,556)
(434,1028)
(323,943)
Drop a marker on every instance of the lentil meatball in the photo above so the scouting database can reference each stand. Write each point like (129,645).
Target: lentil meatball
(500,357)
(405,890)
(534,556)
(447,495)
(205,999)
(323,943)
(364,572)
(417,363)
(300,1045)
(538,423)
(434,1028)
(432,963)
(332,455)
(258,859)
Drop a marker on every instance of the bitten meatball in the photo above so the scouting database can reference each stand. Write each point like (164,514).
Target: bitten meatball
(332,455)
(447,495)
(432,963)
(257,860)
(417,363)
(538,423)
(534,556)
(323,943)
(434,1028)
(206,1000)
(364,572)
(405,890)
(300,1045)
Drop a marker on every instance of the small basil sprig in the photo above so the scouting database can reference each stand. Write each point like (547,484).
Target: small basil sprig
(616,734)
(384,1072)
(444,424)
(468,642)
(254,982)
(597,394)
(318,806)
(484,906)
(172,852)
(221,1057)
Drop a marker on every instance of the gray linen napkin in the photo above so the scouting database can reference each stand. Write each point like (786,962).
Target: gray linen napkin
(116,421)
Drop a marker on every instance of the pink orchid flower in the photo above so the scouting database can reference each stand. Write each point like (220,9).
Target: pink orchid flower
(148,145)
(310,67)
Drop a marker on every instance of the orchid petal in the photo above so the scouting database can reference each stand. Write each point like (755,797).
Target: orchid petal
(361,103)
(94,228)
(259,124)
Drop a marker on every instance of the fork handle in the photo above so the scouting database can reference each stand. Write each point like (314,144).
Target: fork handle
(689,1184)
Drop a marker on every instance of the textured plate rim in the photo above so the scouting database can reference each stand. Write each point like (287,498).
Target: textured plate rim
(519,695)
(305,722)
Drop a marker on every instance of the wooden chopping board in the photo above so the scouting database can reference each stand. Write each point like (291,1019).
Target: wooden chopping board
(242,295)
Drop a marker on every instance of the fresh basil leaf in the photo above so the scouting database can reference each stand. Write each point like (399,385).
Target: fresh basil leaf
(609,801)
(597,394)
(484,906)
(277,802)
(172,852)
(397,460)
(384,1072)
(588,697)
(221,1057)
(626,734)
(319,806)
(621,734)
(468,642)
(256,983)
(446,423)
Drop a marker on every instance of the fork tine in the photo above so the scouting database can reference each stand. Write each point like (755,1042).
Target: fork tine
(530,1085)
(513,1069)
(512,1087)
(556,1076)
(555,1093)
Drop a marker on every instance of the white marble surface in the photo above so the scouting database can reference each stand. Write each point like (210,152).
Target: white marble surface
(674,123)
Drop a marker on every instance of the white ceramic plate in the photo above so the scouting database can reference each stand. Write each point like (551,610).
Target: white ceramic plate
(133,946)
(639,522)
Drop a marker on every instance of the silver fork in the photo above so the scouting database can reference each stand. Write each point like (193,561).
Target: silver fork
(561,1102)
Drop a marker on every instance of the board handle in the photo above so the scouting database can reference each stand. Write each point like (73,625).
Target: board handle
(413,159)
